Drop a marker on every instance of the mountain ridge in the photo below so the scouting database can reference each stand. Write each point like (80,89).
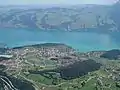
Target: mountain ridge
(72,18)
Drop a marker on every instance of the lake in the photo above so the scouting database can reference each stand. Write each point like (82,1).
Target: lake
(83,41)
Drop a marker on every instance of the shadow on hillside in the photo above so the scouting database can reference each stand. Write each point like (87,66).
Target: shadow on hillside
(74,70)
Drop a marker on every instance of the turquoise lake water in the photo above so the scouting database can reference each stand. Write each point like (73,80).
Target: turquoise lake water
(84,41)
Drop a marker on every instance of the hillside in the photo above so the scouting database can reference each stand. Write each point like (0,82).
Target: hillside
(56,66)
(80,17)
(42,64)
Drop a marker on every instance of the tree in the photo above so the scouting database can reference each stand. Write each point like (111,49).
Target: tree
(83,83)
(55,82)
(117,84)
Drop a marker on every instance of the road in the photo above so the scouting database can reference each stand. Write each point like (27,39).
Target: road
(7,82)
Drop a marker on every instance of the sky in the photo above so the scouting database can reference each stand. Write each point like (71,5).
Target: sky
(29,2)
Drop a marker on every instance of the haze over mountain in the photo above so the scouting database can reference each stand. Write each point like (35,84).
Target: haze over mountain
(28,2)
(82,17)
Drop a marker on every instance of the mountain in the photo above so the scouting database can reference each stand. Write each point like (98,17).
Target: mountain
(115,14)
(102,18)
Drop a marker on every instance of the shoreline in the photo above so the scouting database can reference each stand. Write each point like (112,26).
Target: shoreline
(55,44)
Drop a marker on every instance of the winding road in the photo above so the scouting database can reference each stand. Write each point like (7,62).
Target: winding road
(7,82)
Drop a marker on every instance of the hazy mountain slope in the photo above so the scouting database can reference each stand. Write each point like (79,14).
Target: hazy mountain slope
(104,18)
(115,13)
